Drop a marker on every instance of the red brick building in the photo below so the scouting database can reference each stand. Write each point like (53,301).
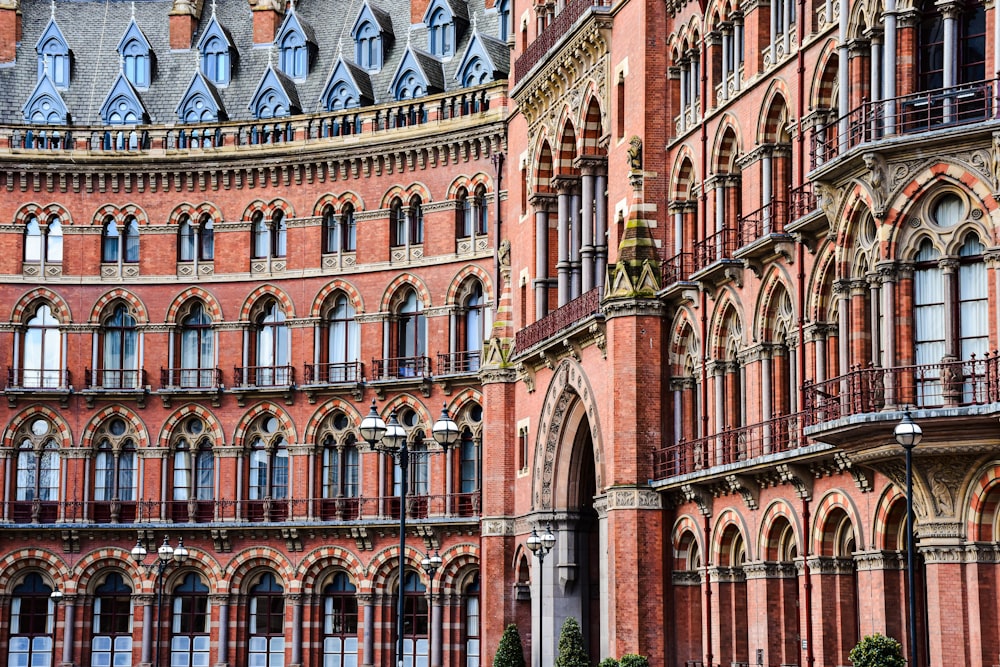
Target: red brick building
(676,270)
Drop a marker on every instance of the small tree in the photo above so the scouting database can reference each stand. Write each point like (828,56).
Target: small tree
(877,651)
(634,660)
(510,652)
(571,650)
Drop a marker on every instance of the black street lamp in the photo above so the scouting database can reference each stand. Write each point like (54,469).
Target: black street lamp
(390,439)
(541,545)
(908,434)
(166,556)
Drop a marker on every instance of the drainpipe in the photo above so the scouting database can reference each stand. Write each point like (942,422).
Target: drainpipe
(704,235)
(708,596)
(807,593)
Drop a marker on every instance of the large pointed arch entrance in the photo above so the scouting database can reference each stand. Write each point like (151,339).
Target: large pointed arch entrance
(567,485)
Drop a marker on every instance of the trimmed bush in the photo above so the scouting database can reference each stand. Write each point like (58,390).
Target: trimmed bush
(633,660)
(608,662)
(571,650)
(510,652)
(877,651)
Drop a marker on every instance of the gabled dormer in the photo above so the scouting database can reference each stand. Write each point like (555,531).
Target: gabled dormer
(504,30)
(53,54)
(216,49)
(46,105)
(485,59)
(418,74)
(275,96)
(201,102)
(137,55)
(372,35)
(348,87)
(445,21)
(296,44)
(122,105)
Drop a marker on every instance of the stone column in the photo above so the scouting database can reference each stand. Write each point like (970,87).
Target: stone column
(587,249)
(222,602)
(296,600)
(727,56)
(541,204)
(601,223)
(69,621)
(436,629)
(367,602)
(889,67)
(575,241)
(875,321)
(563,269)
(949,275)
(944,585)
(882,575)
(147,628)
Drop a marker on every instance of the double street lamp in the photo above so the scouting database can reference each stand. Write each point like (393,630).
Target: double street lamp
(166,556)
(541,545)
(390,439)
(908,434)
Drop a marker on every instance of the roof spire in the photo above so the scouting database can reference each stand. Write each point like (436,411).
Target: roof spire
(133,10)
(291,6)
(53,10)
(475,23)
(340,49)
(213,8)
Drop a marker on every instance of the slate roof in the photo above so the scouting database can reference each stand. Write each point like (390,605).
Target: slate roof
(92,31)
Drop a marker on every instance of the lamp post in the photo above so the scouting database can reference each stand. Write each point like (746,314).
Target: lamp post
(908,434)
(431,565)
(166,556)
(541,545)
(390,439)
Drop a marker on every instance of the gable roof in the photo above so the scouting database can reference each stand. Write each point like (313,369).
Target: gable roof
(354,76)
(200,86)
(424,64)
(214,29)
(457,9)
(122,90)
(375,15)
(45,91)
(275,79)
(51,32)
(133,32)
(494,52)
(293,22)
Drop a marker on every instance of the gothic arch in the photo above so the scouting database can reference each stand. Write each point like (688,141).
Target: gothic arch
(829,504)
(569,390)
(337,285)
(194,292)
(87,440)
(318,562)
(254,558)
(51,415)
(284,420)
(779,509)
(198,410)
(60,309)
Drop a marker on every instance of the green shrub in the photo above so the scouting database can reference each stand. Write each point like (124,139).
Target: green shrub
(510,652)
(571,650)
(633,660)
(609,662)
(877,651)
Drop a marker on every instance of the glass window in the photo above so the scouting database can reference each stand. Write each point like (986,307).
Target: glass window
(131,241)
(197,349)
(472,623)
(54,241)
(189,625)
(111,643)
(416,644)
(268,461)
(120,350)
(272,346)
(32,240)
(973,300)
(42,350)
(345,341)
(411,330)
(468,464)
(267,623)
(31,623)
(185,241)
(340,623)
(109,241)
(37,462)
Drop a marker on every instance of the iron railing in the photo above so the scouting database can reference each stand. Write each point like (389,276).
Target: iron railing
(115,379)
(297,510)
(401,368)
(959,383)
(264,376)
(563,21)
(731,445)
(190,378)
(582,307)
(676,269)
(768,219)
(459,362)
(41,380)
(342,372)
(717,247)
(801,201)
(909,114)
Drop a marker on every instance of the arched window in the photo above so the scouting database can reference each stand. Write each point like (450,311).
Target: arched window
(344,348)
(331,230)
(196,241)
(120,351)
(441,33)
(416,645)
(194,473)
(185,241)
(481,211)
(272,347)
(32,617)
(973,300)
(206,238)
(32,240)
(472,325)
(348,229)
(41,351)
(503,20)
(114,470)
(410,86)
(135,61)
(341,465)
(120,245)
(368,48)
(215,62)
(189,624)
(294,55)
(409,334)
(340,622)
(53,241)
(111,645)
(472,623)
(196,349)
(416,218)
(464,221)
(398,222)
(261,236)
(468,463)
(269,236)
(110,241)
(267,622)
(37,475)
(267,464)
(53,57)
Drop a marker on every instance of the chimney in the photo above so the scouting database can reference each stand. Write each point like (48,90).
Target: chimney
(184,16)
(267,15)
(417,10)
(10,29)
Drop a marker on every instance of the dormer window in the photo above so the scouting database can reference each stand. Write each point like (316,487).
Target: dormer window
(215,61)
(441,33)
(369,47)
(503,18)
(134,50)
(53,56)
(294,56)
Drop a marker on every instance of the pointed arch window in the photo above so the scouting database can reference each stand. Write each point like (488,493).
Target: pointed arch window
(136,63)
(342,96)
(196,241)
(416,644)
(42,351)
(197,349)
(189,623)
(465,215)
(408,336)
(340,622)
(503,20)
(441,33)
(32,617)
(194,463)
(344,334)
(973,300)
(53,58)
(215,60)
(271,349)
(115,462)
(43,243)
(415,215)
(341,467)
(472,322)
(368,46)
(294,55)
(410,86)
(111,643)
(481,212)
(267,465)
(340,230)
(120,245)
(267,622)
(269,236)
(37,480)
(398,221)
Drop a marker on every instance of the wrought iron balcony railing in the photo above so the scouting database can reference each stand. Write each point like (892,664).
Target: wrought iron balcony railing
(343,372)
(264,376)
(676,269)
(459,362)
(401,368)
(33,379)
(585,305)
(190,378)
(115,379)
